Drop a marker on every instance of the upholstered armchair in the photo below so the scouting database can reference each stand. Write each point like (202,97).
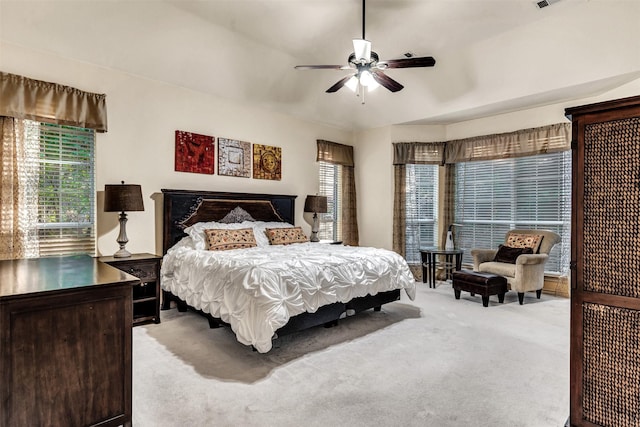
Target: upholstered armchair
(524,272)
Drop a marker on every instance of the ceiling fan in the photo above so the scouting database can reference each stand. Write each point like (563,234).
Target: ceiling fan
(369,68)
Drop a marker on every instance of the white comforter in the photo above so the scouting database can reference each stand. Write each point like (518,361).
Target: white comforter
(257,290)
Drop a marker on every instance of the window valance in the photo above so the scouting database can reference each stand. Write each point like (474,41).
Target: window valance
(25,98)
(525,142)
(332,152)
(418,153)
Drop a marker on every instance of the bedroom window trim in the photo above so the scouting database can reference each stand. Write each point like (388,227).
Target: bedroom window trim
(406,154)
(47,132)
(342,156)
(508,148)
(48,191)
(555,138)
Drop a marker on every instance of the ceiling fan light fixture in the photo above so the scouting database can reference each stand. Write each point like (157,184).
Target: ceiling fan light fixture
(366,78)
(369,70)
(352,83)
(362,50)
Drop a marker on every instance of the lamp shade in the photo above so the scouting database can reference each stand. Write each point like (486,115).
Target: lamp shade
(123,198)
(316,204)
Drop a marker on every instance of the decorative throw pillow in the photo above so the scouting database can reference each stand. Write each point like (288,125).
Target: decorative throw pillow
(508,254)
(286,236)
(237,214)
(222,240)
(259,228)
(519,240)
(198,236)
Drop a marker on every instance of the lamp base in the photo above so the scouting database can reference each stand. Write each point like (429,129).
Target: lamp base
(122,253)
(314,229)
(122,238)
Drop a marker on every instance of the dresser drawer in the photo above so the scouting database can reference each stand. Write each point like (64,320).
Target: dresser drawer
(143,270)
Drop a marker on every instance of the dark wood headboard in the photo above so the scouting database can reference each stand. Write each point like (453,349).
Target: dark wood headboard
(183,208)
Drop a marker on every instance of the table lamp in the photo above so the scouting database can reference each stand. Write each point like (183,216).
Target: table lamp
(121,198)
(315,204)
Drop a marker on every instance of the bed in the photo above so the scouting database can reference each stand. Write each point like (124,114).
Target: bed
(267,290)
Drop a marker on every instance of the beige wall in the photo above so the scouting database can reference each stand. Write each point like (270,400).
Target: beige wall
(374,177)
(139,146)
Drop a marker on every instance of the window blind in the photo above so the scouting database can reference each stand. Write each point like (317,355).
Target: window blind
(66,190)
(495,196)
(421,184)
(330,177)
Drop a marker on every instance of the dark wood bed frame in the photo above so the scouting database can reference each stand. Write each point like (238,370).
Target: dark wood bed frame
(183,208)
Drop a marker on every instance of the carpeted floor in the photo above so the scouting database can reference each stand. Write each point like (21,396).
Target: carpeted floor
(435,361)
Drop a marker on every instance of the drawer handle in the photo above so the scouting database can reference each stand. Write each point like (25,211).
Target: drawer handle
(136,272)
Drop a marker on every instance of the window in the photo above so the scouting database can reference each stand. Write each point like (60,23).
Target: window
(66,190)
(421,209)
(331,186)
(495,196)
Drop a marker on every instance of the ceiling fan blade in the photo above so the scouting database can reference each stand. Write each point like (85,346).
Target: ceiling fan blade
(425,61)
(386,81)
(338,85)
(322,67)
(362,49)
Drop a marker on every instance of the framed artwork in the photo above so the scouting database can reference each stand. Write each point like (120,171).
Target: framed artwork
(194,152)
(234,158)
(267,162)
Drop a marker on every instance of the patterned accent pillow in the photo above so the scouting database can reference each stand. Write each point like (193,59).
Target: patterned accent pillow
(222,240)
(518,240)
(237,214)
(286,236)
(509,255)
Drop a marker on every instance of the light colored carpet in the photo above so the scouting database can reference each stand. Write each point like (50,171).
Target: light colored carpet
(435,361)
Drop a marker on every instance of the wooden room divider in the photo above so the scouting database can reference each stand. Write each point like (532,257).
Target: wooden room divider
(605,264)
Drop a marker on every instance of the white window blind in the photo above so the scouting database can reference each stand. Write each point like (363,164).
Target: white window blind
(330,177)
(495,196)
(421,184)
(66,190)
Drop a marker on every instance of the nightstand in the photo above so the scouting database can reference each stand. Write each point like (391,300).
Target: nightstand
(146,294)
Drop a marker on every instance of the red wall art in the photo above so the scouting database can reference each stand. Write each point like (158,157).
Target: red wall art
(194,152)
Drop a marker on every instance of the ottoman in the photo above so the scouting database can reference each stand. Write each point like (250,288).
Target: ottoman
(484,284)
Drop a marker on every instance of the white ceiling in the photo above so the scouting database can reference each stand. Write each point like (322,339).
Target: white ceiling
(246,50)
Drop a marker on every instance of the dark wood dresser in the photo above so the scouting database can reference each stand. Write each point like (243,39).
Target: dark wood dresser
(65,343)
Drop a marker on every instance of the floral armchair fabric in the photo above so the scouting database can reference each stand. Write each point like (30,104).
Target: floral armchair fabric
(524,271)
